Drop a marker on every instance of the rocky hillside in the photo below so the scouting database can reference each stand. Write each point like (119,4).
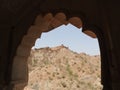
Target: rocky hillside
(59,68)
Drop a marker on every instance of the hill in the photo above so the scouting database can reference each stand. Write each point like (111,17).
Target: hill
(59,68)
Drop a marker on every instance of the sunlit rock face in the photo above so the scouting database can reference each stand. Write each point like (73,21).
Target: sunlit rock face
(59,68)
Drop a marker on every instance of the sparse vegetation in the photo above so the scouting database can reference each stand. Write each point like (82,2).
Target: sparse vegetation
(70,72)
(61,69)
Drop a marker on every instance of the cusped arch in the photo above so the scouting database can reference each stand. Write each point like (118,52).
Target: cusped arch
(76,21)
(41,24)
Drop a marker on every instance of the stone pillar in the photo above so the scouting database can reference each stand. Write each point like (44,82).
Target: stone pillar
(20,64)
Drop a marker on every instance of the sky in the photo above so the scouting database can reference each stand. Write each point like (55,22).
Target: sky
(71,37)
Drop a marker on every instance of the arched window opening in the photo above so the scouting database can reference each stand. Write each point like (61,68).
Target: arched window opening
(65,59)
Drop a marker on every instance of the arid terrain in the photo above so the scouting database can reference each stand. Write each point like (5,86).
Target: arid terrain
(59,68)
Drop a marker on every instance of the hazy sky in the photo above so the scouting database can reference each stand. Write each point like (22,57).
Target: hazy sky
(71,37)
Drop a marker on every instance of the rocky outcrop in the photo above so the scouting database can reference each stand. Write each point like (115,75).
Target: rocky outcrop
(59,68)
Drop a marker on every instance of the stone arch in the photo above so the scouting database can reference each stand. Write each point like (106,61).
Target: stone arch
(41,24)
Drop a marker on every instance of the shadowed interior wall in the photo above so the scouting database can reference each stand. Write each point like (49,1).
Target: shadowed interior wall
(98,15)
